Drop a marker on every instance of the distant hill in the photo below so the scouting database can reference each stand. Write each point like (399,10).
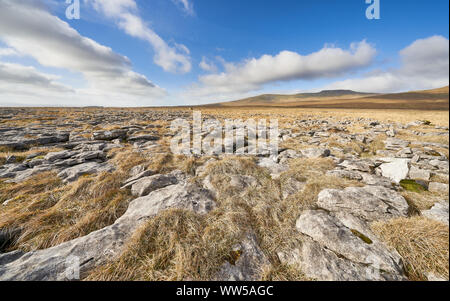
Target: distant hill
(436,99)
(333,93)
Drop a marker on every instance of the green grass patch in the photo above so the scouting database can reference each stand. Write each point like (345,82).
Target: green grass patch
(362,236)
(411,185)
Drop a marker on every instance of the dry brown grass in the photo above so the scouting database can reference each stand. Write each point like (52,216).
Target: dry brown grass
(180,245)
(376,144)
(283,272)
(409,136)
(28,198)
(422,200)
(439,179)
(310,167)
(166,162)
(175,245)
(48,213)
(422,243)
(296,144)
(353,146)
(440,118)
(90,204)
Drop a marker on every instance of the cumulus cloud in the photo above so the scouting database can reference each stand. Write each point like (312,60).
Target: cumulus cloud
(26,26)
(125,13)
(253,73)
(424,65)
(186,5)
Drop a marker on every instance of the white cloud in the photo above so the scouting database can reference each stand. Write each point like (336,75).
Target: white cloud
(23,78)
(426,57)
(254,73)
(26,26)
(186,5)
(124,12)
(424,65)
(207,65)
(8,52)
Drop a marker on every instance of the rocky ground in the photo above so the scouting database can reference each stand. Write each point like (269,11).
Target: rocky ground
(346,198)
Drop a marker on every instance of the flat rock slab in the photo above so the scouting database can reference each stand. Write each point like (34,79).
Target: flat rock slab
(130,181)
(438,187)
(417,173)
(103,245)
(358,165)
(439,212)
(146,185)
(319,263)
(21,176)
(395,144)
(73,173)
(143,138)
(395,169)
(337,252)
(315,152)
(346,174)
(109,135)
(59,155)
(369,203)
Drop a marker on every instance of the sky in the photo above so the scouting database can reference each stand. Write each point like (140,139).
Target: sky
(132,53)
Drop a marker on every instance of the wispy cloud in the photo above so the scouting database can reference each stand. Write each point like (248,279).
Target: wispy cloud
(29,28)
(208,65)
(125,13)
(8,52)
(186,5)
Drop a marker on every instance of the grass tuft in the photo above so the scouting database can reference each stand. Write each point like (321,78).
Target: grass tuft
(422,243)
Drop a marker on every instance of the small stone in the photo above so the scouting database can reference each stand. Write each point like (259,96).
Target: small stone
(315,152)
(439,212)
(438,187)
(396,169)
(419,174)
(244,263)
(11,159)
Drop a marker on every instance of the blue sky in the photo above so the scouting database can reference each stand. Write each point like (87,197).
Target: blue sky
(176,52)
